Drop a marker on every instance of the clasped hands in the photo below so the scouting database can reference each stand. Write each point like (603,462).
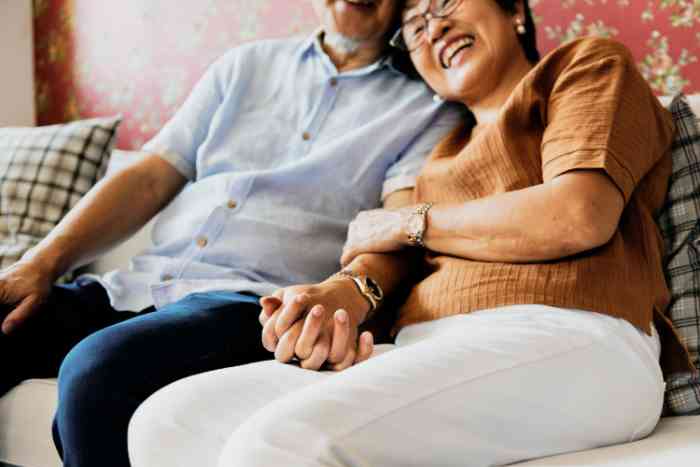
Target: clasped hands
(319,324)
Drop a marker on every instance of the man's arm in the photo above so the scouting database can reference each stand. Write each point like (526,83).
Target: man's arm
(111,211)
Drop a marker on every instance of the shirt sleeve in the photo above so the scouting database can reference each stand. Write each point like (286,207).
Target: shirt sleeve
(402,174)
(179,140)
(601,114)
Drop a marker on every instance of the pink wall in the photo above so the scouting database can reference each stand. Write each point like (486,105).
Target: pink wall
(140,58)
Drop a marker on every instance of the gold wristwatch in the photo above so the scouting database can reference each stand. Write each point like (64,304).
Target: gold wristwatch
(417,223)
(367,286)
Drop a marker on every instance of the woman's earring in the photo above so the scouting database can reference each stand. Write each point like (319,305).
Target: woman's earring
(437,98)
(520,26)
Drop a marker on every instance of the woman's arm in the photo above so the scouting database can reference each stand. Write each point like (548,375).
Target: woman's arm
(574,212)
(318,323)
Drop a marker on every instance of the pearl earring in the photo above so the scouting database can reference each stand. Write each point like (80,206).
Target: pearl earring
(437,98)
(520,26)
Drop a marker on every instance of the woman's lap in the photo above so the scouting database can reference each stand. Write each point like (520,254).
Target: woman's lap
(492,387)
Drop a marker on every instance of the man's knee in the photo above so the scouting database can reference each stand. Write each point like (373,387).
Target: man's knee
(93,370)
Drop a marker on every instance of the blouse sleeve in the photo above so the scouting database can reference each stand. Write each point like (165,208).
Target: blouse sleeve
(601,114)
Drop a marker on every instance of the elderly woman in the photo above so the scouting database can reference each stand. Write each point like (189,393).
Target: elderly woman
(534,326)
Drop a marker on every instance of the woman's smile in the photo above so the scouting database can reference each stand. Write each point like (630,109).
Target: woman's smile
(454,51)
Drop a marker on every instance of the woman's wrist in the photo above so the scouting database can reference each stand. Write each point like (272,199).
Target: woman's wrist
(354,302)
(415,225)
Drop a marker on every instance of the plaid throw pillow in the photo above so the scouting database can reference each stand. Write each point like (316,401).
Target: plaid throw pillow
(44,171)
(679,222)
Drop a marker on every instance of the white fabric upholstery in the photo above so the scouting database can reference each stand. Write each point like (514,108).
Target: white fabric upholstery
(26,413)
(674,442)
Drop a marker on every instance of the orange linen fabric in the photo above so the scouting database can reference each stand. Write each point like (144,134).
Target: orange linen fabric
(584,106)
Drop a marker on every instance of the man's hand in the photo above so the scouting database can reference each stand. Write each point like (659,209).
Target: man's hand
(27,286)
(318,324)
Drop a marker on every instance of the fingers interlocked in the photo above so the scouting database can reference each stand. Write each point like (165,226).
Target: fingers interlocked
(296,328)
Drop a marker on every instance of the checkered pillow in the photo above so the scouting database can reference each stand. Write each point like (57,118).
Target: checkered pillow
(44,171)
(679,221)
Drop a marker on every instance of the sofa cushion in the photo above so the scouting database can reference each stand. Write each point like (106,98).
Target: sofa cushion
(679,221)
(26,413)
(674,442)
(44,171)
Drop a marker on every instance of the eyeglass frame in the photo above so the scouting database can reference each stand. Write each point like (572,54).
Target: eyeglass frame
(397,39)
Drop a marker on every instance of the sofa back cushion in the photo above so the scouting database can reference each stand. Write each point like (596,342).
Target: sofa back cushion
(679,221)
(44,171)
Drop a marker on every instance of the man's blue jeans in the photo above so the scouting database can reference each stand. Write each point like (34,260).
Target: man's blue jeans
(111,361)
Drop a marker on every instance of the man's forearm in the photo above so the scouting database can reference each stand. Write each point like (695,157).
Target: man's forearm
(114,209)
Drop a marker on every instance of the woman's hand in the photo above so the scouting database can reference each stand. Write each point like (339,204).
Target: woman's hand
(377,231)
(318,324)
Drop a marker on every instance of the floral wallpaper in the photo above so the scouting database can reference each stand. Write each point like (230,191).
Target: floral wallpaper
(140,58)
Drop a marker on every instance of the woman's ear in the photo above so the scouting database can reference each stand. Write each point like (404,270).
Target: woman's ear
(519,9)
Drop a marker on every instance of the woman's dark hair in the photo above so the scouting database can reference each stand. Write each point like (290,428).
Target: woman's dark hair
(528,41)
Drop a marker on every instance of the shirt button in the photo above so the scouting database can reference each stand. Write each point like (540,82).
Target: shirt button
(202,242)
(232,204)
(167,277)
(334,82)
(306,136)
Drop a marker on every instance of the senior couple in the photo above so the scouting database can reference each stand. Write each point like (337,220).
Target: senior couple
(517,208)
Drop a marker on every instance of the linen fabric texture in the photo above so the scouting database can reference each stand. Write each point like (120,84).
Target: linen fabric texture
(583,106)
(44,171)
(679,221)
(278,168)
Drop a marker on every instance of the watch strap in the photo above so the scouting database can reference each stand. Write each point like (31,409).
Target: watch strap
(359,280)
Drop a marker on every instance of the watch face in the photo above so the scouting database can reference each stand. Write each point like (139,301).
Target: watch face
(374,289)
(415,224)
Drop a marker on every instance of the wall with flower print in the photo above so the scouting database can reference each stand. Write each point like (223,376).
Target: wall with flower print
(140,58)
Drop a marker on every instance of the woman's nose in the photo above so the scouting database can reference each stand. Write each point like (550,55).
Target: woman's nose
(437,28)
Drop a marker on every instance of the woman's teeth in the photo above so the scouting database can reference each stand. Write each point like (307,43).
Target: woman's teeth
(450,52)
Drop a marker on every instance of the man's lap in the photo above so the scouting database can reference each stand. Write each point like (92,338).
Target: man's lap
(222,323)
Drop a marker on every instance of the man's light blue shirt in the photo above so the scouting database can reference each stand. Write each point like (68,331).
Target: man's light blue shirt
(281,152)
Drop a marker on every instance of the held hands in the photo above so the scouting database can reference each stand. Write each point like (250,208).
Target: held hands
(26,286)
(318,324)
(376,231)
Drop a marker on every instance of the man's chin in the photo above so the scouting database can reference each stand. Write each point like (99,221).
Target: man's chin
(342,42)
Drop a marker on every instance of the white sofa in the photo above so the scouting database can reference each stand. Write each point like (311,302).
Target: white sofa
(26,413)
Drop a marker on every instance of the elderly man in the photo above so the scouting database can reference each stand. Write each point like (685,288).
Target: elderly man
(256,178)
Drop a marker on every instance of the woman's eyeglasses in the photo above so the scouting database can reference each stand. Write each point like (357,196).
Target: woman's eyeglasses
(412,34)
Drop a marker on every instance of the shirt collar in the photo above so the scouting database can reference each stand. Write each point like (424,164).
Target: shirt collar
(312,46)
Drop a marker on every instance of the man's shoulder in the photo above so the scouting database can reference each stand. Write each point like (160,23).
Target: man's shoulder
(265,49)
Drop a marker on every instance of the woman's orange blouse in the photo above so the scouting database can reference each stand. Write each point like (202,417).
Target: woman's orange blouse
(583,106)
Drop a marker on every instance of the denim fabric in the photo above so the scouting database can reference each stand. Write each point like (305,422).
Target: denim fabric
(121,358)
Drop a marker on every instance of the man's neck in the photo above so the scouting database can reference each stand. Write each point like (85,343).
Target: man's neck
(350,54)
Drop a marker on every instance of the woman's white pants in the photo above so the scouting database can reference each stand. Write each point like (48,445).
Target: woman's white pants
(483,389)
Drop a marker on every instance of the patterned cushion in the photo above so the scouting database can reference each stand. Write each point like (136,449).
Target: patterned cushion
(44,171)
(679,221)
